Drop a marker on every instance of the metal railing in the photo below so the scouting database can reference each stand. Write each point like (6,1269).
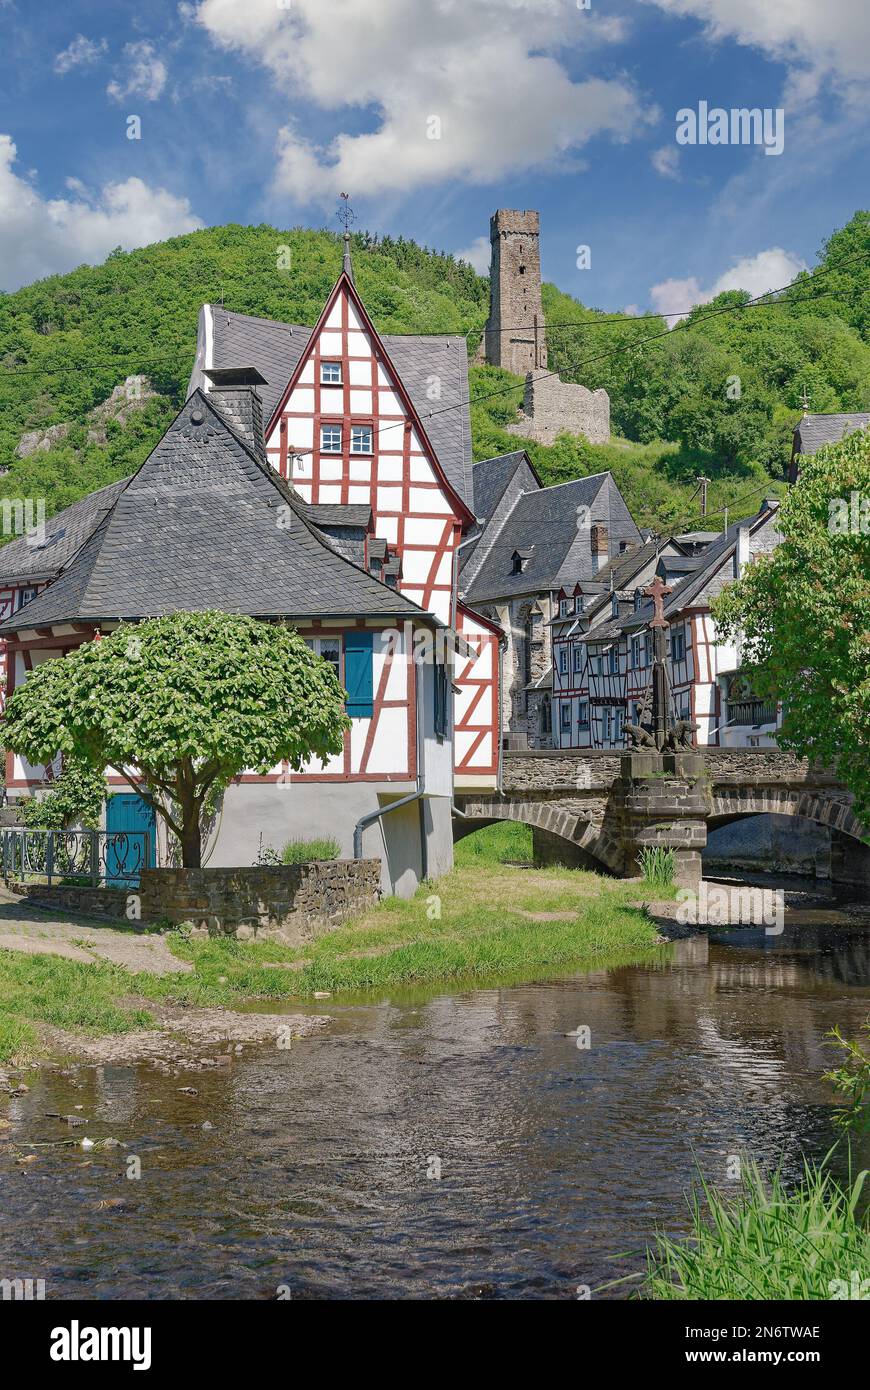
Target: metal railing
(751,712)
(114,858)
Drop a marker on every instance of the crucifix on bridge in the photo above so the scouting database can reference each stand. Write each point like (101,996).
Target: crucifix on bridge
(658,591)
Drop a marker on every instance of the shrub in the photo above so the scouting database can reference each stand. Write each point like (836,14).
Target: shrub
(306,851)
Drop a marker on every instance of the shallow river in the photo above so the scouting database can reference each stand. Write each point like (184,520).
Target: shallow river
(556,1162)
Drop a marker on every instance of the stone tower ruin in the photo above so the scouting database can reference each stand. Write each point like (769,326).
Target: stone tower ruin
(515,337)
(515,328)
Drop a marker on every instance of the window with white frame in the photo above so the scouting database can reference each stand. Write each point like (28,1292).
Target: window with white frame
(613,660)
(360,439)
(565,607)
(635,651)
(24,596)
(678,644)
(618,716)
(578,660)
(565,716)
(330,373)
(563,661)
(583,714)
(330,439)
(606,724)
(330,649)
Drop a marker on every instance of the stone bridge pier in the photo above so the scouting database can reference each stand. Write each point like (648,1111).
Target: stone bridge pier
(600,810)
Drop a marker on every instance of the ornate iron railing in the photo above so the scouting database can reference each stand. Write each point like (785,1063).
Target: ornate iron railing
(751,712)
(115,858)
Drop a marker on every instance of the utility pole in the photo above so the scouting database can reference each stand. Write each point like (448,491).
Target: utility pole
(703,483)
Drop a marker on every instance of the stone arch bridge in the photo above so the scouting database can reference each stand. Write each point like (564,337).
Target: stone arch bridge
(609,806)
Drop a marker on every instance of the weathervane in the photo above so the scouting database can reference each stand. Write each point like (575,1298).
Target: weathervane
(805,400)
(346,214)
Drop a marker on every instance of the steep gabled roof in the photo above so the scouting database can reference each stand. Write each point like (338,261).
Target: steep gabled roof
(814,431)
(205,524)
(545,522)
(227,339)
(24,563)
(492,476)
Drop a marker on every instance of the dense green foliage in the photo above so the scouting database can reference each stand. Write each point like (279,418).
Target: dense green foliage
(804,612)
(76,798)
(67,341)
(179,705)
(731,384)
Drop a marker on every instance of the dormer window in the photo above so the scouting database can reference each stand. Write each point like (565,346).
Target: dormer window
(330,439)
(520,559)
(330,373)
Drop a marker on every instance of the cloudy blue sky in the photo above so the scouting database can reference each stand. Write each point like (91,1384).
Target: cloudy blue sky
(431,113)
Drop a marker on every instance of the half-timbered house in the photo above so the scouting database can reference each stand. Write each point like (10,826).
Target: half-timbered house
(207,523)
(532,544)
(354,418)
(606,662)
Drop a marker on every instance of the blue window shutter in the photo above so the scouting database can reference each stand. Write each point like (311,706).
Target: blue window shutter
(358,673)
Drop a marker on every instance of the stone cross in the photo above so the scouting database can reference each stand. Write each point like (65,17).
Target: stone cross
(657,591)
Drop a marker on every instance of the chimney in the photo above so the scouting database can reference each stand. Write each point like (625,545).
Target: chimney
(741,552)
(598,540)
(233,390)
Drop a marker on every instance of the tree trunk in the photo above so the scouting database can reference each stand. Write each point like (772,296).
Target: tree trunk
(191,840)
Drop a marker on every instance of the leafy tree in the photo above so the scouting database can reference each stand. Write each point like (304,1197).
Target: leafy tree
(179,705)
(803,615)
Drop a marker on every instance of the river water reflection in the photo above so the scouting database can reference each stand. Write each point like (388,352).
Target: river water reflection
(556,1162)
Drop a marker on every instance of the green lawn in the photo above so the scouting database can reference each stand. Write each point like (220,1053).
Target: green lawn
(483,923)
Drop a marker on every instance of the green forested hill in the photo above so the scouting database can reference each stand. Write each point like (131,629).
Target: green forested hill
(67,341)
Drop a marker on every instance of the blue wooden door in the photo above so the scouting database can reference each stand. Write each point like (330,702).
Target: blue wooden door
(124,856)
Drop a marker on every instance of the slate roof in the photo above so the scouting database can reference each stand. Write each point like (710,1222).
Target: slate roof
(687,590)
(814,431)
(492,476)
(65,532)
(338,513)
(545,523)
(199,526)
(275,349)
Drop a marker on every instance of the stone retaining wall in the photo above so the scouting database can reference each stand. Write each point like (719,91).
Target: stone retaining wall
(108,903)
(293,902)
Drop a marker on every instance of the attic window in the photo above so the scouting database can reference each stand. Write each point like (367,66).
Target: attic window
(330,373)
(520,559)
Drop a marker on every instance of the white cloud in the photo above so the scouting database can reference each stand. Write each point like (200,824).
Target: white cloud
(80,53)
(456,89)
(478,254)
(768,270)
(833,37)
(44,237)
(666,161)
(145,74)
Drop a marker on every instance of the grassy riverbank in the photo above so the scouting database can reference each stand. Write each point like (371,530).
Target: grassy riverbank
(488,922)
(810,1241)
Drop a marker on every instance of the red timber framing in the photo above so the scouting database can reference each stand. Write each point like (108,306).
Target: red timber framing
(415,508)
(395,691)
(477,732)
